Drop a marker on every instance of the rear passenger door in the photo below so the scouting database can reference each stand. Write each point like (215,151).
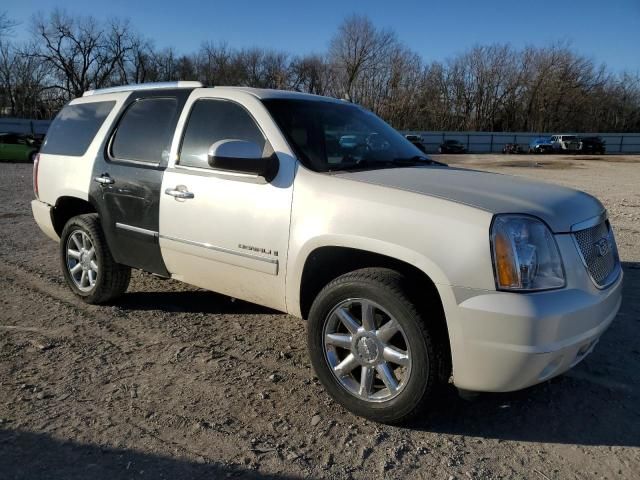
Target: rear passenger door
(127,176)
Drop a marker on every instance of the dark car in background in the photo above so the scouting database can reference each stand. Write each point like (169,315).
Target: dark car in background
(452,146)
(592,145)
(541,145)
(18,147)
(512,148)
(417,141)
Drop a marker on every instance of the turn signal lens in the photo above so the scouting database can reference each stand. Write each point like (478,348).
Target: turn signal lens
(505,262)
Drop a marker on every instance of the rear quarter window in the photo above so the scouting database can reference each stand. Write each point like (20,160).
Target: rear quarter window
(75,127)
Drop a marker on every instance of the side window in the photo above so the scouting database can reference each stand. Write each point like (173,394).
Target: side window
(145,131)
(74,127)
(211,121)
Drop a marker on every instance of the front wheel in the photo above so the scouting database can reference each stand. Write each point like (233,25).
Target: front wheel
(371,349)
(87,264)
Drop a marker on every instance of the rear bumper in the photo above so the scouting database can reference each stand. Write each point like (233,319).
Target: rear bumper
(42,215)
(509,341)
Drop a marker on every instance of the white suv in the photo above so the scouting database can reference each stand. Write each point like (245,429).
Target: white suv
(407,271)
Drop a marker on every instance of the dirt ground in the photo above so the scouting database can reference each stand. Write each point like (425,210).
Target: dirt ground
(175,382)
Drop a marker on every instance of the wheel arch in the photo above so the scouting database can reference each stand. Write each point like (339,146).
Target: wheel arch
(325,263)
(66,208)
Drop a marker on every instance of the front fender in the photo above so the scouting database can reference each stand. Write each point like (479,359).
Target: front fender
(296,266)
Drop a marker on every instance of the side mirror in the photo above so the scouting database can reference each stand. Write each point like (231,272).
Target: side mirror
(243,157)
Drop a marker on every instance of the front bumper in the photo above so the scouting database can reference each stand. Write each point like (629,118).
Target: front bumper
(508,341)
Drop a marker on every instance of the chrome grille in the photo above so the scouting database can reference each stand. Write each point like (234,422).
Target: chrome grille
(599,252)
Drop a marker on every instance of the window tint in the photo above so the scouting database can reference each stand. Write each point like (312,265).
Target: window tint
(145,130)
(74,127)
(214,120)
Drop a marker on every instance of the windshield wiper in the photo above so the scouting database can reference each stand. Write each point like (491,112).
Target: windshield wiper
(361,164)
(417,160)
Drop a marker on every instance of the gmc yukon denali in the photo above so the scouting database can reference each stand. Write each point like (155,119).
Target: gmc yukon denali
(410,273)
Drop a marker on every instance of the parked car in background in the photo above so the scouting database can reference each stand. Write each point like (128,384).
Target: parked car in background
(565,143)
(512,148)
(541,145)
(592,145)
(452,146)
(417,141)
(17,147)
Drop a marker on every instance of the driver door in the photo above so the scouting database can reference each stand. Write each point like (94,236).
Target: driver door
(219,230)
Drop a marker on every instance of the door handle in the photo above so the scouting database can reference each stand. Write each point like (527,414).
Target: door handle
(104,179)
(179,192)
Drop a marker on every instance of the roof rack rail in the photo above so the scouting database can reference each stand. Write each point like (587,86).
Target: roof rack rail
(143,86)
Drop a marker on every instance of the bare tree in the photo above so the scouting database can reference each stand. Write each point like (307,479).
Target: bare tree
(81,53)
(488,87)
(357,52)
(310,74)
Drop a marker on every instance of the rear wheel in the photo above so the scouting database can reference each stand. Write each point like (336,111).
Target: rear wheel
(371,349)
(87,264)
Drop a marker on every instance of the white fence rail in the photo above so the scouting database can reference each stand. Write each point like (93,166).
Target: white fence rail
(493,142)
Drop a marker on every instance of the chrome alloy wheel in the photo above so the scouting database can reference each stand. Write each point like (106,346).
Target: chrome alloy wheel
(367,350)
(81,260)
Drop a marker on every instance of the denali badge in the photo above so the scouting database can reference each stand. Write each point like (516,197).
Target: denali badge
(602,246)
(266,251)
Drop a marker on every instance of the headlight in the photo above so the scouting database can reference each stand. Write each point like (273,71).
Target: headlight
(525,254)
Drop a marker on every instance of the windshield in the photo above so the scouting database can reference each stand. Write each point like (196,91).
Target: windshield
(329,136)
(569,137)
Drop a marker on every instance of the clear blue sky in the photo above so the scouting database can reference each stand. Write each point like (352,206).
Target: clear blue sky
(608,31)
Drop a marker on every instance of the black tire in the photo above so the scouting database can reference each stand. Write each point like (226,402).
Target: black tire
(112,278)
(32,156)
(428,356)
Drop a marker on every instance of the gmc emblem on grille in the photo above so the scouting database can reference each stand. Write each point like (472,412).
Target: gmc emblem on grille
(602,246)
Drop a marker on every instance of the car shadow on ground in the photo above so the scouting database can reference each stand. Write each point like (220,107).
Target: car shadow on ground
(26,455)
(192,301)
(593,404)
(596,403)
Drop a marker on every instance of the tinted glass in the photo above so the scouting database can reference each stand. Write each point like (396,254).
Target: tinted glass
(214,120)
(145,131)
(337,136)
(74,127)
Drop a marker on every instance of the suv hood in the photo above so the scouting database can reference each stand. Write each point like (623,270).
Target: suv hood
(559,207)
